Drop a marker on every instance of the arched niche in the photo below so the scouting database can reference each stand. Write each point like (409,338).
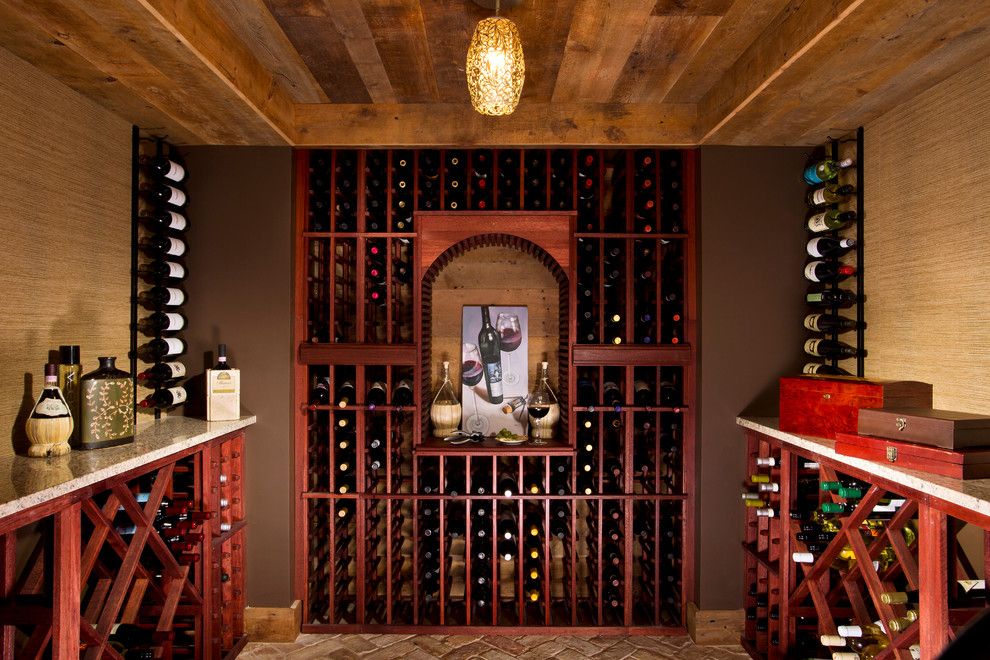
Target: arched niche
(496,268)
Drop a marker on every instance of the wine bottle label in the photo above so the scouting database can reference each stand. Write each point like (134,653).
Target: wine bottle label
(175,369)
(175,196)
(809,271)
(178,395)
(811,323)
(51,407)
(817,223)
(175,271)
(811,347)
(175,171)
(175,297)
(177,221)
(815,297)
(812,368)
(176,248)
(818,197)
(173,346)
(813,249)
(175,322)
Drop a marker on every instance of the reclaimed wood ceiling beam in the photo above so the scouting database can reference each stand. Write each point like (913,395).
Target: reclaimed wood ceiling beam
(533,124)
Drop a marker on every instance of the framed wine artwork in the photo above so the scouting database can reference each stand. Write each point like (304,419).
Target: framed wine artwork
(494,369)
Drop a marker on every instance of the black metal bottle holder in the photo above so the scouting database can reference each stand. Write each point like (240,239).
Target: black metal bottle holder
(162,148)
(834,286)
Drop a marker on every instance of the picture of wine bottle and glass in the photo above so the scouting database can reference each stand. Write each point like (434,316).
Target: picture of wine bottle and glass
(490,376)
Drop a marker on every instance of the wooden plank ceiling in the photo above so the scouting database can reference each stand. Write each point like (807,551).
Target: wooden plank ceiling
(598,72)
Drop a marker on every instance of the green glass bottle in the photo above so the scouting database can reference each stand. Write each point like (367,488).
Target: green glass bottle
(107,407)
(825,170)
(831,193)
(830,220)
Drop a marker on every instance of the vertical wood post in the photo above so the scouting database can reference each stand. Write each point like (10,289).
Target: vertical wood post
(933,615)
(66,597)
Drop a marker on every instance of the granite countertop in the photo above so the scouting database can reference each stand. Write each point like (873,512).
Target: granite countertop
(26,482)
(972,494)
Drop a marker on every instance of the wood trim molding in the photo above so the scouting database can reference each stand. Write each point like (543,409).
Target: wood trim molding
(714,627)
(273,624)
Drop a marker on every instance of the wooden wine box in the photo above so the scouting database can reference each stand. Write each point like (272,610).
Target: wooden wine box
(822,407)
(959,464)
(937,428)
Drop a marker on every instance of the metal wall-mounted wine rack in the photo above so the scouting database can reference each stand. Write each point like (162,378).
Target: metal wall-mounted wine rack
(156,217)
(836,150)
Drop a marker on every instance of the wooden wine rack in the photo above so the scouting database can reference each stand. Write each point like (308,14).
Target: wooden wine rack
(789,605)
(94,559)
(396,549)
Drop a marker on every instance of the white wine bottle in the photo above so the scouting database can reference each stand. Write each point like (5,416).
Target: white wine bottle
(825,170)
(828,194)
(830,220)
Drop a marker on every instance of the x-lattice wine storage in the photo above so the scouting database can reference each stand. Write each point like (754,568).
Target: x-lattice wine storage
(397,529)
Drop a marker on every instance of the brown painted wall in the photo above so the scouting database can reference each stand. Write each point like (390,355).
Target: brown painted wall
(751,247)
(239,285)
(65,222)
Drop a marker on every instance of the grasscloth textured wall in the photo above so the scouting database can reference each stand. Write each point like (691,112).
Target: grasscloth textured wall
(65,195)
(926,235)
(751,306)
(240,293)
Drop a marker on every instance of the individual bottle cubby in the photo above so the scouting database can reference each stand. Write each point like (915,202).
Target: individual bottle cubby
(428,181)
(588,191)
(376,191)
(614,181)
(535,187)
(562,175)
(320,192)
(228,470)
(455,180)
(229,596)
(482,189)
(403,199)
(161,224)
(509,180)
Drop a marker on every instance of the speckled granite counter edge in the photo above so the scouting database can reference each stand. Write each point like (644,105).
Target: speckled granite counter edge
(28,482)
(972,494)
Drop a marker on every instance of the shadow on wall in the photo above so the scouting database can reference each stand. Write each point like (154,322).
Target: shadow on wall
(18,436)
(766,403)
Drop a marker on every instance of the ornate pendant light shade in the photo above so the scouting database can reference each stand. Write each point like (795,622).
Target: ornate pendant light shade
(495,67)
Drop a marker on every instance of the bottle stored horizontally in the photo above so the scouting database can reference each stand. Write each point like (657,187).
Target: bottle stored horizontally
(163,347)
(825,170)
(826,246)
(163,296)
(166,194)
(165,220)
(107,406)
(163,371)
(818,369)
(837,298)
(223,389)
(50,424)
(829,348)
(163,322)
(161,246)
(828,271)
(490,348)
(163,269)
(830,193)
(166,398)
(830,220)
(166,168)
(445,411)
(829,323)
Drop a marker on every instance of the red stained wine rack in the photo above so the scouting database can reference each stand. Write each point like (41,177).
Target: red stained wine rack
(398,531)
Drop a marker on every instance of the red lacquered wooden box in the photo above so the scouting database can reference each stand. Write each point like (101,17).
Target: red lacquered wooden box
(822,407)
(959,463)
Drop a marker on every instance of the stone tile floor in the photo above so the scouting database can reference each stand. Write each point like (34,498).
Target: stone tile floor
(490,647)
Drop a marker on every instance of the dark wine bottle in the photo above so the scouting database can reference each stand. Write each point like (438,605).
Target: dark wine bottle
(837,298)
(320,396)
(165,220)
(643,394)
(163,296)
(402,394)
(163,322)
(828,271)
(826,246)
(829,323)
(611,394)
(345,394)
(221,358)
(490,348)
(161,246)
(166,168)
(165,398)
(156,349)
(377,395)
(163,193)
(829,348)
(163,371)
(162,269)
(824,370)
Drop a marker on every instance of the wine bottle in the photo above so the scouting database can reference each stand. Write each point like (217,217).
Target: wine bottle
(165,220)
(830,193)
(829,348)
(827,271)
(643,394)
(162,347)
(163,322)
(165,167)
(829,323)
(825,170)
(402,394)
(490,347)
(164,371)
(222,364)
(345,394)
(162,269)
(826,246)
(50,423)
(377,395)
(163,296)
(507,486)
(611,394)
(830,220)
(837,298)
(165,398)
(163,193)
(161,246)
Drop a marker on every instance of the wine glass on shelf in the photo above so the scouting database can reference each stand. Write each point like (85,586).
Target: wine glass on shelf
(471,373)
(510,333)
